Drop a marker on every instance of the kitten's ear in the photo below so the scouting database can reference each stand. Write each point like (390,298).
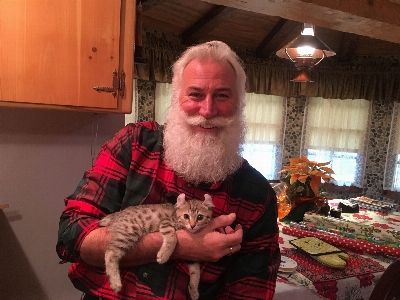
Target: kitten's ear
(180,200)
(208,201)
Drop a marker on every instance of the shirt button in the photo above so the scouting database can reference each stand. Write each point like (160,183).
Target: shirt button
(145,274)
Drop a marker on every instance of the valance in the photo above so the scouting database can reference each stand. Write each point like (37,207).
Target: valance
(375,79)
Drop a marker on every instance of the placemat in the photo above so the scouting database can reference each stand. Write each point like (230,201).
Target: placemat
(317,272)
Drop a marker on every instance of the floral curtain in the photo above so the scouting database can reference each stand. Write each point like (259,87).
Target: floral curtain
(391,179)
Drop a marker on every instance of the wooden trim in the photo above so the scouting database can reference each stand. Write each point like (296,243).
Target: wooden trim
(2,206)
(274,180)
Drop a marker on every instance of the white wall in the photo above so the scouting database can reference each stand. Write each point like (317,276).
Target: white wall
(43,154)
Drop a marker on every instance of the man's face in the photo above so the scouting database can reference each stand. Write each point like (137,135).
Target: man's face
(208,90)
(204,127)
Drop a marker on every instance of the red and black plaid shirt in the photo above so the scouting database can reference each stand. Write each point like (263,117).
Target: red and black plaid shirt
(129,170)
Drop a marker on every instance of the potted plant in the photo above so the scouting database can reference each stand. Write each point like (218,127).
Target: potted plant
(301,191)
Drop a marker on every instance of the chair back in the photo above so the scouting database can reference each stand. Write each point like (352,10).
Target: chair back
(388,286)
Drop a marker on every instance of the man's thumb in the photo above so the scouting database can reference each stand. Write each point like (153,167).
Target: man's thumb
(224,220)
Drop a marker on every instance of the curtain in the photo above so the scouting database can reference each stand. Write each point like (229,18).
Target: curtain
(338,125)
(336,130)
(162,101)
(265,117)
(391,180)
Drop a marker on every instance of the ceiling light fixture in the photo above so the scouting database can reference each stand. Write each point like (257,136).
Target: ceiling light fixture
(305,51)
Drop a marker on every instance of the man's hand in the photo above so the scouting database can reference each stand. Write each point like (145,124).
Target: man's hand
(211,243)
(208,244)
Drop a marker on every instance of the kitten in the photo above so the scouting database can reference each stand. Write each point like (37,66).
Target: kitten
(129,225)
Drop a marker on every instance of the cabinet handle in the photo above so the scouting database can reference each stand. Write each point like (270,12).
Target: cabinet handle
(118,85)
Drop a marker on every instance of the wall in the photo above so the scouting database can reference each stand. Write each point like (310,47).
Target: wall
(43,154)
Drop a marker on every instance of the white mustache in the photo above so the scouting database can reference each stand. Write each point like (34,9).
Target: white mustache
(208,123)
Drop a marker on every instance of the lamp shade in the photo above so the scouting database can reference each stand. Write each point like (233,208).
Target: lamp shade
(305,51)
(290,50)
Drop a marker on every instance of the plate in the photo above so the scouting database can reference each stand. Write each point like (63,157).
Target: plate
(287,264)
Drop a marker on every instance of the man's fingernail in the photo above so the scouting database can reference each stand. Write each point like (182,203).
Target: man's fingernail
(232,215)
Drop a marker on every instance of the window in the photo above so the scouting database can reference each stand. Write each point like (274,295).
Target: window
(335,130)
(265,116)
(391,179)
(162,101)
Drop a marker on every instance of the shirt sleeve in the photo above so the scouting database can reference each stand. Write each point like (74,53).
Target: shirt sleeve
(100,192)
(252,274)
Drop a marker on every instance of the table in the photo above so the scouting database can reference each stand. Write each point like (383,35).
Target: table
(366,267)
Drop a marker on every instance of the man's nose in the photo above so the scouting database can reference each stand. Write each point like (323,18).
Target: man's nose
(208,108)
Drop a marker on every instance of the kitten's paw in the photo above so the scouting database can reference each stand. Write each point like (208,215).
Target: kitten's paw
(115,285)
(162,258)
(193,292)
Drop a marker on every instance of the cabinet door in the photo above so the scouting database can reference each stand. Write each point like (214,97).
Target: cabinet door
(54,52)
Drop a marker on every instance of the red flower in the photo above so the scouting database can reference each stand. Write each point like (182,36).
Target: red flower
(365,279)
(362,217)
(380,225)
(327,289)
(280,240)
(393,220)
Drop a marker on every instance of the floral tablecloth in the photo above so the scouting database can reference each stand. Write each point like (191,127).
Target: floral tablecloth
(355,282)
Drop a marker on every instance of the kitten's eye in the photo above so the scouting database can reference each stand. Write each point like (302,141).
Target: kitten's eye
(186,216)
(200,217)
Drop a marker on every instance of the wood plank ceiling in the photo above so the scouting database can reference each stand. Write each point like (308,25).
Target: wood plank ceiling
(355,28)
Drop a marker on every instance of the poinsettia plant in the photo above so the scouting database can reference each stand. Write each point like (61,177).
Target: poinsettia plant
(303,182)
(305,176)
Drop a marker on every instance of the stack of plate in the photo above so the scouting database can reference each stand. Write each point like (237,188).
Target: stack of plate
(287,265)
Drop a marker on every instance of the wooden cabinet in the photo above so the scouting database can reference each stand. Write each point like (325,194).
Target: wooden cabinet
(54,52)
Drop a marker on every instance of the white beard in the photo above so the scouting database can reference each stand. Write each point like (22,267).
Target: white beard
(203,156)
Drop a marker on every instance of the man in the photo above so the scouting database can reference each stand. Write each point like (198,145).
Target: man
(197,152)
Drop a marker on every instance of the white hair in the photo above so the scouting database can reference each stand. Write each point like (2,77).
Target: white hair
(216,51)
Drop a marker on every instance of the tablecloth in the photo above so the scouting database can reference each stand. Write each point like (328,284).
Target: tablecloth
(354,287)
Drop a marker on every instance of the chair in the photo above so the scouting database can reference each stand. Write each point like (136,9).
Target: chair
(388,286)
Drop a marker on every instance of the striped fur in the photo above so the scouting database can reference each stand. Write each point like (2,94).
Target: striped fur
(131,224)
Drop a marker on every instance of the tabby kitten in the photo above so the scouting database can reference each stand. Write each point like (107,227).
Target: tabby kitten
(129,225)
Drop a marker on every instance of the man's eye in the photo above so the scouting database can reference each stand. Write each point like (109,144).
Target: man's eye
(195,95)
(222,96)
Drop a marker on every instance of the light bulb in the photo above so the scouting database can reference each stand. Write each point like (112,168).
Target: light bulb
(305,51)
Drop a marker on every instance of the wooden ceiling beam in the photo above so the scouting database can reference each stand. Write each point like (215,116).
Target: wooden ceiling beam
(204,25)
(148,4)
(281,34)
(377,19)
